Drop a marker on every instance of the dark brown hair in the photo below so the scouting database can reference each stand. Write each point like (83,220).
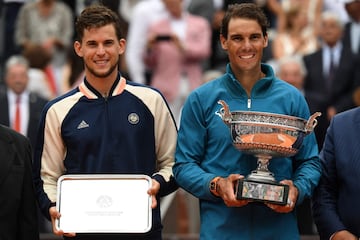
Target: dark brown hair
(37,56)
(244,10)
(96,16)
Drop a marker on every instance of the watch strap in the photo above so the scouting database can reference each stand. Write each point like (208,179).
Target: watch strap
(214,186)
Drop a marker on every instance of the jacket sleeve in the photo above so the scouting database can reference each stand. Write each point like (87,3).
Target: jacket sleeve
(188,171)
(28,220)
(325,197)
(165,138)
(48,160)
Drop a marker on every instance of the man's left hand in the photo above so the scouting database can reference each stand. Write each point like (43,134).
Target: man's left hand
(291,201)
(153,190)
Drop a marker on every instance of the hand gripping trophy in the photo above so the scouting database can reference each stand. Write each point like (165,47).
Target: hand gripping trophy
(265,135)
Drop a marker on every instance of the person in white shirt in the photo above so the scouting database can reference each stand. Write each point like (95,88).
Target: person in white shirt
(144,13)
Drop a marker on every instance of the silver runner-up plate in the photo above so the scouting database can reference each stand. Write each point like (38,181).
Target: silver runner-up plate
(95,203)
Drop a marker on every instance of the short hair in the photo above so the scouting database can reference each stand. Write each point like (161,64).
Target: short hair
(331,15)
(37,56)
(244,10)
(297,59)
(16,60)
(96,16)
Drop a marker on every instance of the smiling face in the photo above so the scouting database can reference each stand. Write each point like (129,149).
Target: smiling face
(244,43)
(100,50)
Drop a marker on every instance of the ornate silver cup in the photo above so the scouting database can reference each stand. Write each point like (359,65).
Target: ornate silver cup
(265,135)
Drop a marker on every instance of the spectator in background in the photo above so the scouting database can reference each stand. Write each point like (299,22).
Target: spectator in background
(351,36)
(41,79)
(205,9)
(311,8)
(176,48)
(332,74)
(31,104)
(20,109)
(48,23)
(295,39)
(144,13)
(292,70)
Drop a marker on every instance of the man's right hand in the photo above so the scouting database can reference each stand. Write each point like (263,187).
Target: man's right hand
(54,214)
(225,189)
(343,235)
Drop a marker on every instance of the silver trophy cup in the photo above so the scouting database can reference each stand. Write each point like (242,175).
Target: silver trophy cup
(265,135)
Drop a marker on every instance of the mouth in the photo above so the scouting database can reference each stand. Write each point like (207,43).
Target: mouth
(101,62)
(249,56)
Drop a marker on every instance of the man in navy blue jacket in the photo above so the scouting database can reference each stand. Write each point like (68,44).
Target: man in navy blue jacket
(336,199)
(107,125)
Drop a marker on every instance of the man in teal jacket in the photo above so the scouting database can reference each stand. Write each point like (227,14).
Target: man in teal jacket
(205,153)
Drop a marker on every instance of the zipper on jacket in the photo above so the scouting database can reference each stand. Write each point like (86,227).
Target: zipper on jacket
(249,103)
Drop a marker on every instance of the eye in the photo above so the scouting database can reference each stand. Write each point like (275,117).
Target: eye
(91,44)
(237,38)
(109,43)
(255,37)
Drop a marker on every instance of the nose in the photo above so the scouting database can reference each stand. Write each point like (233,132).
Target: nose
(247,44)
(100,50)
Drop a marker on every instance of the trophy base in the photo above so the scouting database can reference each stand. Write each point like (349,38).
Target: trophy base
(262,191)
(261,176)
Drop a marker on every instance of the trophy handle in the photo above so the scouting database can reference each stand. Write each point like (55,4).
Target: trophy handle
(312,122)
(224,112)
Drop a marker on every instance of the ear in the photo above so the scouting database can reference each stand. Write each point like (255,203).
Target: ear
(223,42)
(122,46)
(266,41)
(77,48)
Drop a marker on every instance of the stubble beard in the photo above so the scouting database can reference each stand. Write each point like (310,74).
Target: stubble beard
(101,75)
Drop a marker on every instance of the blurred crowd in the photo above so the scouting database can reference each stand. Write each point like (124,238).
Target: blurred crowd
(173,45)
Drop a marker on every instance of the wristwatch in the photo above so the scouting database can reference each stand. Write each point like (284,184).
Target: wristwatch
(214,187)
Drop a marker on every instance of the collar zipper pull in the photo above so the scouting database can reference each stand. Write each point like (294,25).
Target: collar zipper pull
(249,103)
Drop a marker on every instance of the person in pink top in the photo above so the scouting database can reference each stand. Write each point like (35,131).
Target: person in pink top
(176,48)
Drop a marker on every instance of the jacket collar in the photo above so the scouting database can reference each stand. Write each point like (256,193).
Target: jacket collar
(260,87)
(91,93)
